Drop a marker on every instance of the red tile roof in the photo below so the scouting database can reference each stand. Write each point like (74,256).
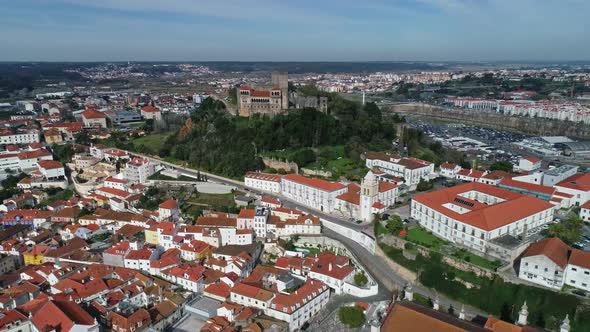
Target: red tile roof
(580,181)
(220,289)
(448,166)
(315,182)
(552,248)
(169,204)
(580,258)
(247,214)
(486,217)
(264,176)
(150,109)
(532,159)
(91,113)
(527,186)
(252,292)
(298,298)
(50,164)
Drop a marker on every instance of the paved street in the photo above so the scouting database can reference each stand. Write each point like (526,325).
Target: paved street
(383,273)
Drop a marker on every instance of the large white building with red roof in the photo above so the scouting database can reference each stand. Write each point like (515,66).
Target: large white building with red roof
(312,192)
(138,170)
(263,181)
(474,214)
(94,118)
(551,263)
(412,170)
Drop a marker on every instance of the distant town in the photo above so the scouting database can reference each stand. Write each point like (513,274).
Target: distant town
(279,197)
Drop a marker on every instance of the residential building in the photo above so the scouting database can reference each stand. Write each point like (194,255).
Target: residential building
(94,119)
(263,181)
(138,170)
(449,170)
(412,170)
(151,113)
(578,186)
(529,164)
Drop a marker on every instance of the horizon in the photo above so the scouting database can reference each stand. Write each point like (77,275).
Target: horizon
(306,31)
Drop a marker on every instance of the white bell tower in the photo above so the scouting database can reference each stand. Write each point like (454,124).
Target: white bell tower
(369,195)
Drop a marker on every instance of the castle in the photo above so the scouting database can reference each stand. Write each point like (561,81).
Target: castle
(276,99)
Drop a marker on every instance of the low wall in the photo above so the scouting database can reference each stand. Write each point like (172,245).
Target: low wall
(316,172)
(288,166)
(451,261)
(359,291)
(365,240)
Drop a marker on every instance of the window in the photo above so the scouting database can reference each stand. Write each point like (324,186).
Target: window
(574,269)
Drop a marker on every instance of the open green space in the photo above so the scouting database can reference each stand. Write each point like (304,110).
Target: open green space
(213,200)
(153,142)
(474,259)
(424,238)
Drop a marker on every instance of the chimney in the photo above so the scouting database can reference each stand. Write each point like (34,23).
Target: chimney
(330,267)
(565,326)
(523,315)
(462,312)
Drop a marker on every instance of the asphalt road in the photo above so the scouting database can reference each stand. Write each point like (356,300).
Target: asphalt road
(383,274)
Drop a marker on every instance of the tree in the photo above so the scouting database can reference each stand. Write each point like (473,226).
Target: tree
(505,166)
(505,312)
(83,138)
(352,316)
(360,279)
(424,185)
(569,230)
(394,225)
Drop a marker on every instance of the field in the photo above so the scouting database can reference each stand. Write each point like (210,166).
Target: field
(422,237)
(153,141)
(213,200)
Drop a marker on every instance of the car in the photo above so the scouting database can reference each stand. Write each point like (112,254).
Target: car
(579,292)
(385,216)
(577,246)
(358,221)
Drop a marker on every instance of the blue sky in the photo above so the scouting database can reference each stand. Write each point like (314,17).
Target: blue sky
(294,30)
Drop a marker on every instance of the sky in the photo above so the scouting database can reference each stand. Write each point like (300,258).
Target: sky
(294,30)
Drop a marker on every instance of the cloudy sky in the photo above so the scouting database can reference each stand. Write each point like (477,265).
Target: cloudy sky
(294,30)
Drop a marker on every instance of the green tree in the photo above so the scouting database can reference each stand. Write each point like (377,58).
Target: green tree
(352,316)
(360,279)
(569,230)
(424,185)
(505,166)
(394,225)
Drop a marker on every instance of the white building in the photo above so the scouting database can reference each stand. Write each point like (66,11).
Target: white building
(412,170)
(449,170)
(473,214)
(312,192)
(138,170)
(32,136)
(551,263)
(263,181)
(585,212)
(116,183)
(529,163)
(577,185)
(51,169)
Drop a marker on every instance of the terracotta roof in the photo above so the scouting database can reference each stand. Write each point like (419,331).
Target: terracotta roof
(91,113)
(252,292)
(270,200)
(580,181)
(495,325)
(255,93)
(486,217)
(169,204)
(448,166)
(150,109)
(552,248)
(247,214)
(220,289)
(532,159)
(132,321)
(411,317)
(386,186)
(11,316)
(527,186)
(580,258)
(34,154)
(314,182)
(264,176)
(298,298)
(50,164)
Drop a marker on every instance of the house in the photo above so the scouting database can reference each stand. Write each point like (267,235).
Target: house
(412,170)
(94,119)
(529,164)
(585,212)
(188,277)
(140,259)
(449,170)
(51,169)
(52,136)
(470,175)
(551,263)
(59,315)
(136,321)
(169,210)
(578,186)
(138,170)
(151,113)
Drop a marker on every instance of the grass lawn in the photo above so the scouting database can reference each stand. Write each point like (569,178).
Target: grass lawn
(422,237)
(379,228)
(476,260)
(152,141)
(213,199)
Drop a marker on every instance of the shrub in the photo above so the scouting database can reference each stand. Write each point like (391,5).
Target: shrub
(360,279)
(352,316)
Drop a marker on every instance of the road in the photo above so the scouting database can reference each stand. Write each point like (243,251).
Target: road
(387,278)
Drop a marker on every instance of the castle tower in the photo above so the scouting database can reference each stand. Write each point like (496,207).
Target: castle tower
(523,315)
(369,195)
(281,80)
